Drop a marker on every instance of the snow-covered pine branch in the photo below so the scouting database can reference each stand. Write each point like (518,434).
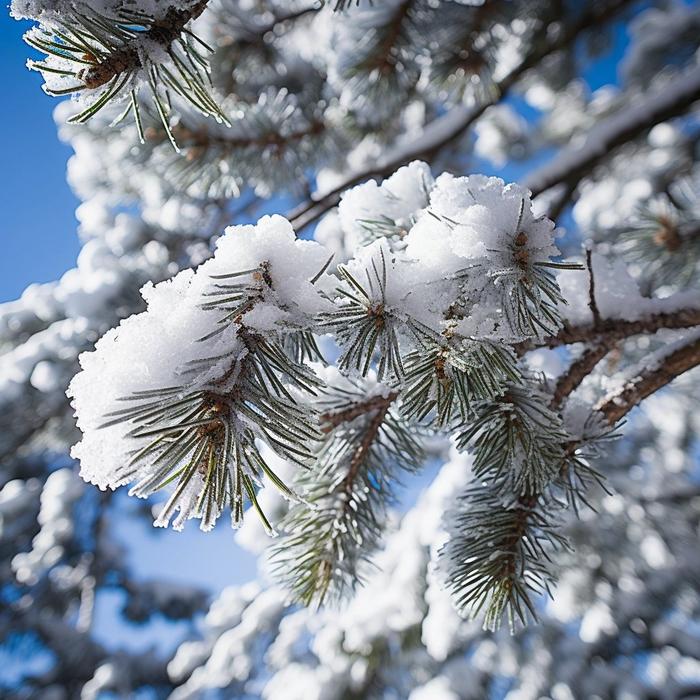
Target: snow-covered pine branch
(443,321)
(328,538)
(180,393)
(449,278)
(110,50)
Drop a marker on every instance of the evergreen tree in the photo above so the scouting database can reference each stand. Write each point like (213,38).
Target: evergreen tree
(404,311)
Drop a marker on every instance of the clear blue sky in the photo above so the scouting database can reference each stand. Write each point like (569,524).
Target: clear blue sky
(37,226)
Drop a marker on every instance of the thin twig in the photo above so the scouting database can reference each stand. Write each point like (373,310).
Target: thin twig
(358,457)
(333,419)
(592,303)
(577,372)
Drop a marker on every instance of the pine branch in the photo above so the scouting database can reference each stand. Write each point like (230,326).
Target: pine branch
(385,56)
(327,538)
(268,144)
(448,376)
(105,58)
(577,372)
(332,419)
(461,65)
(364,323)
(611,330)
(518,442)
(128,58)
(592,301)
(363,447)
(502,557)
(291,16)
(664,237)
(525,281)
(199,430)
(660,105)
(201,139)
(446,130)
(498,553)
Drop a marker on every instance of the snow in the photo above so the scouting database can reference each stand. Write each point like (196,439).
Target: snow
(499,134)
(61,491)
(150,351)
(45,376)
(596,622)
(479,217)
(398,199)
(435,689)
(617,294)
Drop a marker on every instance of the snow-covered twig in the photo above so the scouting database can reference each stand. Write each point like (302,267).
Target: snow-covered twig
(621,402)
(575,162)
(611,330)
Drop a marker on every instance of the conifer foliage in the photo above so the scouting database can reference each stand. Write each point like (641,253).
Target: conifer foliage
(291,372)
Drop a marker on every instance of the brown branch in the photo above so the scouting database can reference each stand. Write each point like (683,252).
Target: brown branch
(577,372)
(592,303)
(127,58)
(381,405)
(620,403)
(199,140)
(332,419)
(610,330)
(363,448)
(426,148)
(602,336)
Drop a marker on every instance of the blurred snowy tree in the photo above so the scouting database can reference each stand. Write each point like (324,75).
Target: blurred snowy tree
(461,332)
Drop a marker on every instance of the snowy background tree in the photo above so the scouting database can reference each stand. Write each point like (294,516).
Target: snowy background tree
(329,250)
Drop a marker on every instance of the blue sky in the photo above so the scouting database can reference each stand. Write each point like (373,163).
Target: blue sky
(38,227)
